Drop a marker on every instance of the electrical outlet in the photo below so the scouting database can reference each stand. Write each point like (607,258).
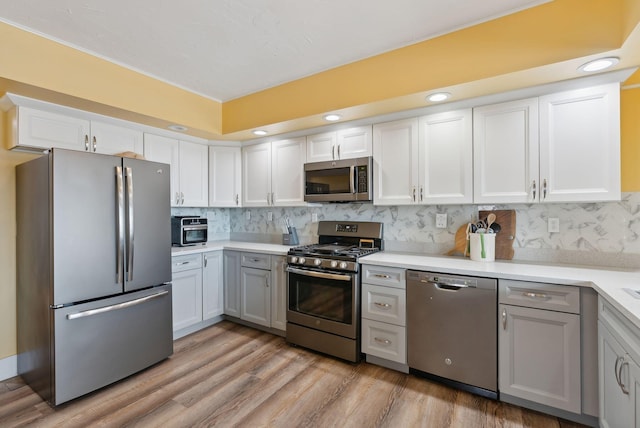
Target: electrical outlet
(247,215)
(269,216)
(441,221)
(553,225)
(314,217)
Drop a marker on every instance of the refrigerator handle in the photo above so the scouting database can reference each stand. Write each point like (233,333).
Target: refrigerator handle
(130,235)
(120,226)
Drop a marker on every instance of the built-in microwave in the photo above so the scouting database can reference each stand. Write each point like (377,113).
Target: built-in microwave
(344,180)
(188,230)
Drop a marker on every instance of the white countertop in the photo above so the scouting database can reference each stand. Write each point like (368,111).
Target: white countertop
(275,249)
(609,283)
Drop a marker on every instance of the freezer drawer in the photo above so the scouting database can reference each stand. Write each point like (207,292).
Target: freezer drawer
(103,341)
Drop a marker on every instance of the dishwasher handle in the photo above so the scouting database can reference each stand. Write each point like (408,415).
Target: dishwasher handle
(450,284)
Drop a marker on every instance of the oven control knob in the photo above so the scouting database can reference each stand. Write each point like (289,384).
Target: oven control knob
(343,265)
(301,260)
(334,264)
(317,262)
(294,259)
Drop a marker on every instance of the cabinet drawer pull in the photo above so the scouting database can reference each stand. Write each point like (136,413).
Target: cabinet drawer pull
(382,305)
(504,319)
(182,263)
(534,189)
(383,276)
(532,295)
(544,189)
(385,342)
(86,143)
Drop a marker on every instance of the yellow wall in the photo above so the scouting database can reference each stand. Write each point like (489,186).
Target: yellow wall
(630,136)
(8,161)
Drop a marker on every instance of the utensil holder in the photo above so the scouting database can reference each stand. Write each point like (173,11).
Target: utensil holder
(477,241)
(290,238)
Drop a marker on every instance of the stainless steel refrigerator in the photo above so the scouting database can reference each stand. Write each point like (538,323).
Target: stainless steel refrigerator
(93,270)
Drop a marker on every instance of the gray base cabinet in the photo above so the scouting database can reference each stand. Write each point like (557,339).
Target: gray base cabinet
(187,290)
(255,287)
(232,283)
(212,289)
(547,348)
(619,370)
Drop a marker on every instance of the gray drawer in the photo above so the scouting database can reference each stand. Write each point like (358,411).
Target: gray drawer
(186,262)
(562,298)
(256,260)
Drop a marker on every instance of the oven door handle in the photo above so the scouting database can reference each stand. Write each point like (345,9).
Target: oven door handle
(322,275)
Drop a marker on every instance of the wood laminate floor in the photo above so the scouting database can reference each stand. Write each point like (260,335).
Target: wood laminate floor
(230,375)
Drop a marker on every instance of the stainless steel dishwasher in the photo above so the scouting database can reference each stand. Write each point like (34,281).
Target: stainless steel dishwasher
(452,330)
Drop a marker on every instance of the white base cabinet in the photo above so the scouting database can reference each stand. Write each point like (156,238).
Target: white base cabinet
(279,292)
(384,316)
(197,289)
(619,370)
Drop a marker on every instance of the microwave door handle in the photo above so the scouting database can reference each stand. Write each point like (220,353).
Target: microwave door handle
(352,177)
(120,219)
(131,234)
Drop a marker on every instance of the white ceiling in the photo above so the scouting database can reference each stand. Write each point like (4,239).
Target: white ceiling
(224,49)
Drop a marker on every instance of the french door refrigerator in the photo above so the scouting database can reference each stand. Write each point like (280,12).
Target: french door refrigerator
(93,270)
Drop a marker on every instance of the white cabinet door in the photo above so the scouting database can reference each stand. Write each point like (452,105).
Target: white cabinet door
(279,292)
(194,174)
(165,150)
(505,148)
(212,288)
(232,283)
(580,145)
(256,175)
(395,155)
(617,408)
(187,298)
(321,147)
(446,158)
(46,130)
(225,176)
(111,139)
(354,142)
(256,296)
(287,172)
(539,356)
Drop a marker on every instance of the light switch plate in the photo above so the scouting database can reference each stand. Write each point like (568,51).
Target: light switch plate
(247,215)
(314,217)
(441,221)
(269,216)
(553,225)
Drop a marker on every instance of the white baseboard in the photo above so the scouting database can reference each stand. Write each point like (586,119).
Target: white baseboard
(8,367)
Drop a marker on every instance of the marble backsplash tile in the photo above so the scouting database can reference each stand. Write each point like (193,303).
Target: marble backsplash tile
(605,234)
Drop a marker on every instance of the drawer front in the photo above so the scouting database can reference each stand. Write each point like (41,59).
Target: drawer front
(384,304)
(256,261)
(386,276)
(562,298)
(384,341)
(186,262)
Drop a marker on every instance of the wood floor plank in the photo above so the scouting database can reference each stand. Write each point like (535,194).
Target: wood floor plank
(230,375)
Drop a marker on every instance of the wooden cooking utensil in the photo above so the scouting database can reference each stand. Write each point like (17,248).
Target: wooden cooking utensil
(460,243)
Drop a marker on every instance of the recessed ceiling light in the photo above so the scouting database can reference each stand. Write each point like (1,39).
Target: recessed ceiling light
(599,64)
(259,132)
(332,117)
(438,96)
(178,128)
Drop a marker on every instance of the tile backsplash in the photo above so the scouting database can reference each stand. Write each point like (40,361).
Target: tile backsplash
(602,234)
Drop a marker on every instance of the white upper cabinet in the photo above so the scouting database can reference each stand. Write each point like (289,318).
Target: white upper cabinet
(44,129)
(580,145)
(395,157)
(111,139)
(225,176)
(273,173)
(505,149)
(563,147)
(446,158)
(424,161)
(344,144)
(189,168)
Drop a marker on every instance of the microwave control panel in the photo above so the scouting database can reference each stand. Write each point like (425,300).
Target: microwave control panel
(362,179)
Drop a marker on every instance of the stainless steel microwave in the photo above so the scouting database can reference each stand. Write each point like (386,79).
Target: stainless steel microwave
(347,180)
(188,230)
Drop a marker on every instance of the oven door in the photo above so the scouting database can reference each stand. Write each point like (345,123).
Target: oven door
(192,235)
(322,300)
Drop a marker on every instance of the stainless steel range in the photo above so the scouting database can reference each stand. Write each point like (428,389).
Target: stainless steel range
(323,310)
